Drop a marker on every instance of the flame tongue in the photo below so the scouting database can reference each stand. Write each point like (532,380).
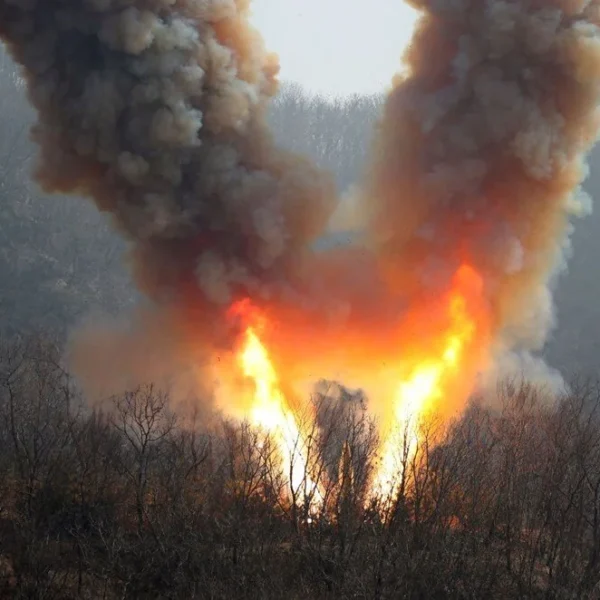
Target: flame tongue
(429,380)
(269,409)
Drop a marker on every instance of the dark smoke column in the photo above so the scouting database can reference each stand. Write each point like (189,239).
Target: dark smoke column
(155,109)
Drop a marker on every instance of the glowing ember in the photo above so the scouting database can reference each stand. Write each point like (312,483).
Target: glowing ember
(427,382)
(269,410)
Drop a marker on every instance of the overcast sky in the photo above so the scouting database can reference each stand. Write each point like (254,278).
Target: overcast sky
(336,46)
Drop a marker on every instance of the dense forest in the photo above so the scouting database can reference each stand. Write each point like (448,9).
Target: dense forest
(139,501)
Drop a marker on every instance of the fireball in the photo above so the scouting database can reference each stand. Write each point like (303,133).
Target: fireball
(436,371)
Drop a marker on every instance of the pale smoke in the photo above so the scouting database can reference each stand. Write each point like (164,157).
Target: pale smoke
(156,110)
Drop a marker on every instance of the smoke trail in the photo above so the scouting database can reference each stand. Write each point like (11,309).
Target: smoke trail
(481,150)
(156,110)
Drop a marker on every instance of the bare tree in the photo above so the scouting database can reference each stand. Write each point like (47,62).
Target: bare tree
(144,420)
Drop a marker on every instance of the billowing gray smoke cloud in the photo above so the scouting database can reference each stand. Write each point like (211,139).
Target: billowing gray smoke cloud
(155,109)
(481,152)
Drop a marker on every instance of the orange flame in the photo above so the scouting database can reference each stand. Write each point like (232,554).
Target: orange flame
(440,340)
(429,380)
(269,409)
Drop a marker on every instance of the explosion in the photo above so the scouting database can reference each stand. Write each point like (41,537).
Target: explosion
(429,376)
(155,109)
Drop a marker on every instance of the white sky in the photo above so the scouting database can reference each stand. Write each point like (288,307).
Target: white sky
(336,46)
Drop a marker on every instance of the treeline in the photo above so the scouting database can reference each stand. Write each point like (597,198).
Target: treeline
(335,132)
(132,501)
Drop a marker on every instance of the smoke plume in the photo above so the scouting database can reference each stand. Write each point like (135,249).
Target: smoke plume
(156,110)
(481,153)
